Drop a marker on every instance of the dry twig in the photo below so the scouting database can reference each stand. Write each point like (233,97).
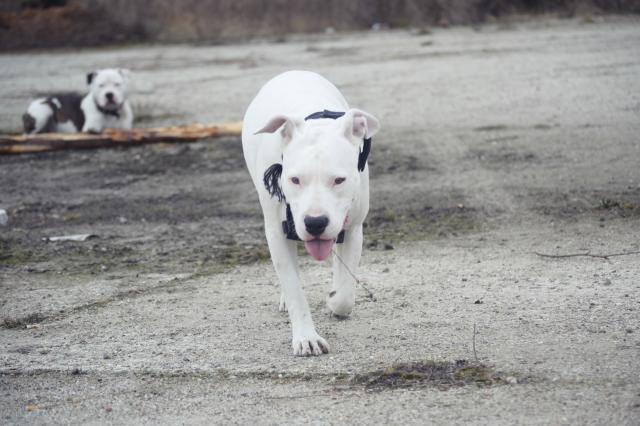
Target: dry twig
(475,355)
(586,254)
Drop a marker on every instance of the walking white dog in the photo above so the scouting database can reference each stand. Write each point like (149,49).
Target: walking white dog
(104,107)
(306,152)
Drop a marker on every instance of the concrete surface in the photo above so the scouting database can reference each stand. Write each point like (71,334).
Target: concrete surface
(497,143)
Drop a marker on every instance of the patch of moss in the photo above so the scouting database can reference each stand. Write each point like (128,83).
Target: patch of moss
(609,204)
(413,224)
(22,322)
(440,374)
(16,257)
(242,255)
(389,215)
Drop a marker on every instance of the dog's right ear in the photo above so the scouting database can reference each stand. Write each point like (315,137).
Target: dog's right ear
(90,77)
(125,73)
(360,125)
(289,126)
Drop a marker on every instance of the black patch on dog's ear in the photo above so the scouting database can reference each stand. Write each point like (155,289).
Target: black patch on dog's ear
(272,181)
(364,154)
(90,77)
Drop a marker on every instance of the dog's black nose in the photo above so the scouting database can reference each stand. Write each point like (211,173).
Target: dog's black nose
(316,224)
(109,96)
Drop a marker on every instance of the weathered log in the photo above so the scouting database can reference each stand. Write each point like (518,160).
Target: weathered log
(24,144)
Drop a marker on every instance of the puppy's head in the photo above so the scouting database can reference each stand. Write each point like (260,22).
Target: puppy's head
(320,175)
(109,87)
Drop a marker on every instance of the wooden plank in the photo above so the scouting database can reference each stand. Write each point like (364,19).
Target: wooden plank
(23,144)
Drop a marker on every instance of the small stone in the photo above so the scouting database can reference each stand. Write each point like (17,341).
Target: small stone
(607,282)
(511,380)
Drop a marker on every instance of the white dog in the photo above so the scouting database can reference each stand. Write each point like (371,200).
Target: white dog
(306,153)
(105,107)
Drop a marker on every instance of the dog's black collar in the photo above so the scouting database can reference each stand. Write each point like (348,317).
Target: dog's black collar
(324,114)
(272,176)
(366,146)
(111,112)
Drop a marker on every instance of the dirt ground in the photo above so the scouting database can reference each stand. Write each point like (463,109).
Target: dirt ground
(497,143)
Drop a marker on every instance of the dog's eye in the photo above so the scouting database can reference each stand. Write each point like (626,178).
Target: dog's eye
(339,180)
(295,181)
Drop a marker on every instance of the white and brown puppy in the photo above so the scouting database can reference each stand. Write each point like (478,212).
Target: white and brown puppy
(106,106)
(306,152)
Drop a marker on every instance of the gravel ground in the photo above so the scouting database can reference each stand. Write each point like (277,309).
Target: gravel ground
(497,143)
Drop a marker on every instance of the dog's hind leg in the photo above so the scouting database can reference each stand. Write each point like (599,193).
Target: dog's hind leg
(342,296)
(305,339)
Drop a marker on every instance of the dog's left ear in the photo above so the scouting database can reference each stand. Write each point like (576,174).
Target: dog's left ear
(359,125)
(125,73)
(91,76)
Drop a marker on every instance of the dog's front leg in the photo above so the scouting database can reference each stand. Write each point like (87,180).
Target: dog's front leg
(93,124)
(342,296)
(305,340)
(126,122)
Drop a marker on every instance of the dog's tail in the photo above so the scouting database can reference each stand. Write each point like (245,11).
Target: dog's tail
(29,123)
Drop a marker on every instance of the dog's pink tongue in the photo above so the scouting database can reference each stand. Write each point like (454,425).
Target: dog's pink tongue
(319,249)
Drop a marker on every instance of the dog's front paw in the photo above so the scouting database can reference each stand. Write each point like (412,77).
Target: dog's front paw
(309,343)
(341,303)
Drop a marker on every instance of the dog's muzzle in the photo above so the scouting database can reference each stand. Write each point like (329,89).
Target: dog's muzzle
(289,228)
